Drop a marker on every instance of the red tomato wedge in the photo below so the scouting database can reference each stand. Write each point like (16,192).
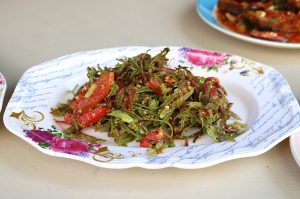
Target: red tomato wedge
(68,118)
(213,87)
(88,118)
(214,80)
(153,137)
(80,95)
(93,116)
(83,104)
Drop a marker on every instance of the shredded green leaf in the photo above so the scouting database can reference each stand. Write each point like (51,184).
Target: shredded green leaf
(146,94)
(121,115)
(91,90)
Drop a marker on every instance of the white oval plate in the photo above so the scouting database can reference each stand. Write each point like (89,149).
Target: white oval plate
(2,89)
(261,96)
(206,10)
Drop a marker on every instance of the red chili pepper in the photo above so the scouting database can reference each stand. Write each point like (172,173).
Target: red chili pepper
(129,98)
(155,86)
(153,137)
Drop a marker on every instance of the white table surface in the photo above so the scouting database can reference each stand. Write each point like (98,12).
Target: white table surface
(35,31)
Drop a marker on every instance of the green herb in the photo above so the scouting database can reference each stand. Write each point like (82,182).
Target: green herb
(201,80)
(273,20)
(61,109)
(212,68)
(90,90)
(113,90)
(121,115)
(93,73)
(124,138)
(159,146)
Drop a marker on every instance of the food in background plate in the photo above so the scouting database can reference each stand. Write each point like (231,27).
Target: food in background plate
(276,20)
(142,99)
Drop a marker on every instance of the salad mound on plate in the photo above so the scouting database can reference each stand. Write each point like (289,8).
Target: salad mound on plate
(142,99)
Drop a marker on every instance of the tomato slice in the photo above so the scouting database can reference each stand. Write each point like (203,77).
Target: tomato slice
(93,116)
(212,79)
(86,119)
(82,104)
(80,95)
(68,118)
(215,85)
(153,137)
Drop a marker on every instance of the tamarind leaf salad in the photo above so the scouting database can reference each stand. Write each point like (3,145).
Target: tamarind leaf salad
(144,100)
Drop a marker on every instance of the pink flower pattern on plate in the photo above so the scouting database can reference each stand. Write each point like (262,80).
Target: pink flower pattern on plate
(204,58)
(68,145)
(39,135)
(59,144)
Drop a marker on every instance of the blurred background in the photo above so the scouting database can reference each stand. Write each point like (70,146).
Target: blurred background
(35,31)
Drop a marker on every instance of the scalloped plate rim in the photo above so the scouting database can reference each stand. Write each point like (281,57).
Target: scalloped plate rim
(128,165)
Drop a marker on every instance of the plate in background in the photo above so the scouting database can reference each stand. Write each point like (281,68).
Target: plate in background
(295,147)
(206,10)
(2,89)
